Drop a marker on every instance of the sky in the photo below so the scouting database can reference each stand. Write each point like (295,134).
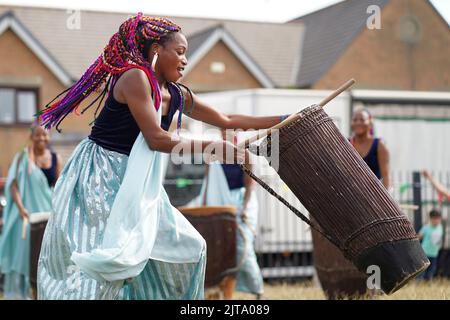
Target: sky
(251,10)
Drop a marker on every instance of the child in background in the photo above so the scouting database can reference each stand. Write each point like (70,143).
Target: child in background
(431,235)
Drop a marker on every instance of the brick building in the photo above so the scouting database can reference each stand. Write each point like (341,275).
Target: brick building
(411,51)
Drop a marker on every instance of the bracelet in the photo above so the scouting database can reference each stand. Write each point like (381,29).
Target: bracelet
(284,117)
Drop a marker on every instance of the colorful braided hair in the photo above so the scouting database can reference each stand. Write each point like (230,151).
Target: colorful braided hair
(126,49)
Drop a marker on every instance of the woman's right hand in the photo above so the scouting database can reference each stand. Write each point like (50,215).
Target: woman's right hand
(24,214)
(226,152)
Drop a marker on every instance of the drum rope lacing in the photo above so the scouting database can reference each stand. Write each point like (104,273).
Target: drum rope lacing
(287,204)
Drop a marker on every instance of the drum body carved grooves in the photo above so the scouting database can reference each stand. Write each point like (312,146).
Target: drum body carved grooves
(346,199)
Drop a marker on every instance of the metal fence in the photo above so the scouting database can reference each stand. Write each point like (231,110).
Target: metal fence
(284,244)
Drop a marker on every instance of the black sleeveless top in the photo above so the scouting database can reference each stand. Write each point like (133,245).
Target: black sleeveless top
(50,173)
(371,158)
(116,129)
(234,175)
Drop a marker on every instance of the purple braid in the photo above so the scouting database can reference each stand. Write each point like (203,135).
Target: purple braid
(125,50)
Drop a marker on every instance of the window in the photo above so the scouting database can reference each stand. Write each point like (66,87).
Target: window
(217,67)
(17,106)
(7,106)
(410,30)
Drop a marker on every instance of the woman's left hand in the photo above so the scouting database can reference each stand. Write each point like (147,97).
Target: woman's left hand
(244,216)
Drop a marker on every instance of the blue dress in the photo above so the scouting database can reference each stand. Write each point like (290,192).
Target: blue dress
(113,233)
(35,191)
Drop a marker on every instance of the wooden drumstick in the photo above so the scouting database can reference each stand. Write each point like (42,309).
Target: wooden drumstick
(295,116)
(337,92)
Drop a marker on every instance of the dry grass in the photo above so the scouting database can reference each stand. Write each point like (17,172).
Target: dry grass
(434,290)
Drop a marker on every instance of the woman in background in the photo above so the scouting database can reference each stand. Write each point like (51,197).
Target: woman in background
(371,149)
(28,190)
(228,185)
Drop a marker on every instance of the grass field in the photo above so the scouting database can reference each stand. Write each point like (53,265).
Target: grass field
(433,290)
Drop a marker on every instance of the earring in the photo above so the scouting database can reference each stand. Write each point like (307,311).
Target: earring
(155,58)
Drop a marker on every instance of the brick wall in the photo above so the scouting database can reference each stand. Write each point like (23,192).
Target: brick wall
(379,59)
(236,75)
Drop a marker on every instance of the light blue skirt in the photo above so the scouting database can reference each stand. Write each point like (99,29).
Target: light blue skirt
(82,202)
(249,277)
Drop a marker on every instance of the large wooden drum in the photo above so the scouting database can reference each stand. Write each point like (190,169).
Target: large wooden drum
(38,222)
(338,277)
(349,203)
(217,225)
